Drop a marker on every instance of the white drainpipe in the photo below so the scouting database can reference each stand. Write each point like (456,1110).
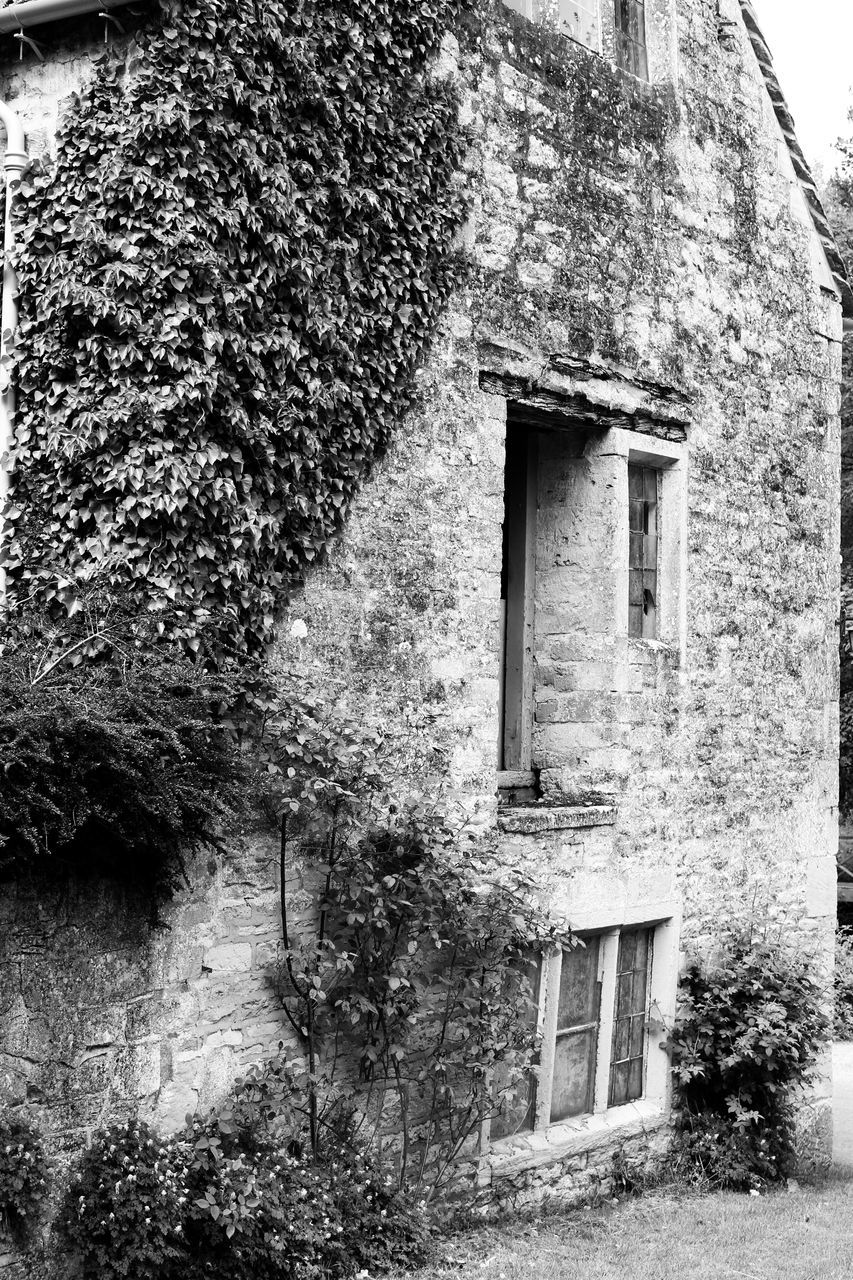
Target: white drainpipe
(15,161)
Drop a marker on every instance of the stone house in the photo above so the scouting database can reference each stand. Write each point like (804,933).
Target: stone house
(600,558)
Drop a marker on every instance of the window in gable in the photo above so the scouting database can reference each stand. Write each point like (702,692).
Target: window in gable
(630,31)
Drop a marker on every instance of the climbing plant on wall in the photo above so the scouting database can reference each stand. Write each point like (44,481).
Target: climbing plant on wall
(227,279)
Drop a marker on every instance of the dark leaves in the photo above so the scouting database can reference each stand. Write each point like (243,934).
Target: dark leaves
(227,281)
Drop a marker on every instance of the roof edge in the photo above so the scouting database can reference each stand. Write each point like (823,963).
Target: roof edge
(801,167)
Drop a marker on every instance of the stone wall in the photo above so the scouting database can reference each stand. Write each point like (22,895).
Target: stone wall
(643,265)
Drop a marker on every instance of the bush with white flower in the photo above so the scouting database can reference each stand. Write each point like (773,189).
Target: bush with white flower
(23,1173)
(237,1195)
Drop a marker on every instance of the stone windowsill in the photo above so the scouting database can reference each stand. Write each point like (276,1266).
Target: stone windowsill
(523,1152)
(533,819)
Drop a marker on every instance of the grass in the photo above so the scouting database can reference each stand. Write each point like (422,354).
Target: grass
(803,1234)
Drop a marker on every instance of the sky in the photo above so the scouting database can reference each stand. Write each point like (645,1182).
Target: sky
(812,47)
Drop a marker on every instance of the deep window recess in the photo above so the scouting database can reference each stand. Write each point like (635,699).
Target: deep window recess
(628,1051)
(631,53)
(594,1002)
(517,585)
(579,1001)
(518,1113)
(643,552)
(577,19)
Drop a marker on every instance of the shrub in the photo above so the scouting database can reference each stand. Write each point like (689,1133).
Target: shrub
(23,1172)
(129,1198)
(238,1195)
(750,1026)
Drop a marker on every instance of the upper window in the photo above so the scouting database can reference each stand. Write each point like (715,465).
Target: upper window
(630,31)
(518,569)
(615,27)
(578,19)
(642,551)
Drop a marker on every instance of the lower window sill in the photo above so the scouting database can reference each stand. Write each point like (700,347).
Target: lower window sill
(510,1156)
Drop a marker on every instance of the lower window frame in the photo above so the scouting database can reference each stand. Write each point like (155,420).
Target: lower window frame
(655,1100)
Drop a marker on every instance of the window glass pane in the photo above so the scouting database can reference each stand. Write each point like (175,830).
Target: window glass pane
(574,1074)
(628,1052)
(518,1108)
(630,30)
(577,1032)
(625,993)
(637,1026)
(627,947)
(579,20)
(619,1083)
(578,1002)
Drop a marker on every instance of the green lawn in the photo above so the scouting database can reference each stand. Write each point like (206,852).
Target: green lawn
(805,1234)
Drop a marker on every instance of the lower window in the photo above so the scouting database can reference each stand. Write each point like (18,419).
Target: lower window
(594,1002)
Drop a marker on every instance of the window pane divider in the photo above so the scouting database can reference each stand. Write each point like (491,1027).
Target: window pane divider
(576,1031)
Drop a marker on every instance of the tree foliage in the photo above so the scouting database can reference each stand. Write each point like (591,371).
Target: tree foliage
(114,754)
(227,279)
(405,970)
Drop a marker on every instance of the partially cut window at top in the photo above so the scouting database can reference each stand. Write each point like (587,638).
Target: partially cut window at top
(631,53)
(577,19)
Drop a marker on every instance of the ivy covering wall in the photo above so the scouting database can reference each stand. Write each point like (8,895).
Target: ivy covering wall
(227,279)
(227,276)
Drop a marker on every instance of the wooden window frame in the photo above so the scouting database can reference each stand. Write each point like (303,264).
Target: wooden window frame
(659,995)
(631,36)
(640,974)
(644,551)
(521,493)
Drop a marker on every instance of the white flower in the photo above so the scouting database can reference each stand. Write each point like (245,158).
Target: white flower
(298,629)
